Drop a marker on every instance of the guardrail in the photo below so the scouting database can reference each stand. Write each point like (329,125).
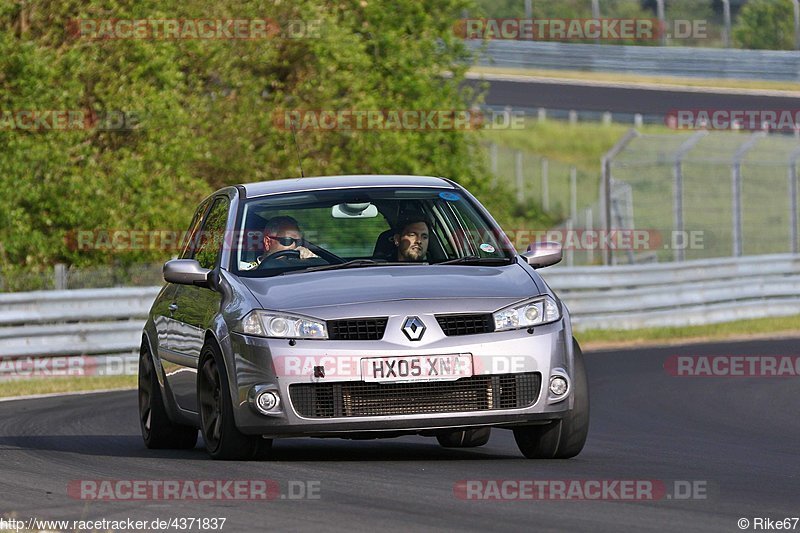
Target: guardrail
(98,331)
(644,60)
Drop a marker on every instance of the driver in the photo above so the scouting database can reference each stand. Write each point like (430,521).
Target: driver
(281,233)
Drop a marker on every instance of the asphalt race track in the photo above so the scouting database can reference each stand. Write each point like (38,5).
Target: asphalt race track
(735,437)
(534,94)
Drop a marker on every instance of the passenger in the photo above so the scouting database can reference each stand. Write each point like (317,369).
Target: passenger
(411,237)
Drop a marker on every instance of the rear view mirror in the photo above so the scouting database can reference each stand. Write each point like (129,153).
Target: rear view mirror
(359,210)
(543,254)
(185,272)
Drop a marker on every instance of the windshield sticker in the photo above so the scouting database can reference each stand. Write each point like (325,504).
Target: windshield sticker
(488,248)
(449,196)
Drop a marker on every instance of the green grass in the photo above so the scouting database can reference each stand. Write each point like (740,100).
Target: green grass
(65,384)
(739,329)
(618,77)
(581,146)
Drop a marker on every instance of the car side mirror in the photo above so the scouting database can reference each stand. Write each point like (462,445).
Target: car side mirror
(186,272)
(543,254)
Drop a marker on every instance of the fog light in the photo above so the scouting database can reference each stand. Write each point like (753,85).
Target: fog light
(558,386)
(266,401)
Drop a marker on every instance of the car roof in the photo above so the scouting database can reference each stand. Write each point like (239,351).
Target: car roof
(262,188)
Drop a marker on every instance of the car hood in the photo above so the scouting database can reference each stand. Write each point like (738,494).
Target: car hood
(307,290)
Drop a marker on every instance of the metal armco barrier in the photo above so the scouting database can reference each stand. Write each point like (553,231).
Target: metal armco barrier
(645,60)
(98,331)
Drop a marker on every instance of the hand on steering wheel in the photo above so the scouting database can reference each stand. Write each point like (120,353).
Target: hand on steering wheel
(284,254)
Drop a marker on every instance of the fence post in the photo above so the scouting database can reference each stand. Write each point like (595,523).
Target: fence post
(796,24)
(589,230)
(726,15)
(736,208)
(573,193)
(605,186)
(567,240)
(677,189)
(520,178)
(493,157)
(60,276)
(541,115)
(573,117)
(736,189)
(607,118)
(545,186)
(793,215)
(596,14)
(662,23)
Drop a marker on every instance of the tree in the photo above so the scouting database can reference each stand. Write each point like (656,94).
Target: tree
(766,25)
(206,111)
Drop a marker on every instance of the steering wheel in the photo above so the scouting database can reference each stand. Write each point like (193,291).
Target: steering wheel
(283,254)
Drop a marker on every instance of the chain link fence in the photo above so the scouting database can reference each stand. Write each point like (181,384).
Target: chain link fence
(672,197)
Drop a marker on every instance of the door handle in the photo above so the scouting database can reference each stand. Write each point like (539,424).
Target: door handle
(173,308)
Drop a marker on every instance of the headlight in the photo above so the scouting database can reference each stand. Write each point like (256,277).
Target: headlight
(541,310)
(267,324)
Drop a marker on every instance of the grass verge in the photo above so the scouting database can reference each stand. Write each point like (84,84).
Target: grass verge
(24,387)
(581,145)
(738,330)
(633,79)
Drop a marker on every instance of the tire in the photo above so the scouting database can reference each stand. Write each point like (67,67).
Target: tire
(158,431)
(465,438)
(564,438)
(222,438)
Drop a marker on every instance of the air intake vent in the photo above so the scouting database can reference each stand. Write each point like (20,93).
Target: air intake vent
(357,329)
(454,325)
(358,398)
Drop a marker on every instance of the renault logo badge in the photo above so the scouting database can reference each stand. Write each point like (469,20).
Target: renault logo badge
(413,328)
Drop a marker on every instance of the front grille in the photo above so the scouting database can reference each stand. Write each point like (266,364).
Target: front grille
(357,329)
(359,398)
(453,325)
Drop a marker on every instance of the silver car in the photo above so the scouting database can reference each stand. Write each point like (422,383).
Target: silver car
(357,307)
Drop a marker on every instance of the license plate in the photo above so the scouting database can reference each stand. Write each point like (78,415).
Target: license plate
(416,368)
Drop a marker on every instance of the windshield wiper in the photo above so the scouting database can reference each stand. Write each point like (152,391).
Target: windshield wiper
(476,260)
(359,263)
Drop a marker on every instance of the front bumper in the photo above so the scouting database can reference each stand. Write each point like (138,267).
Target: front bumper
(278,364)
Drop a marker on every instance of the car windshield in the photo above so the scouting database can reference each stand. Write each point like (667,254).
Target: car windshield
(357,228)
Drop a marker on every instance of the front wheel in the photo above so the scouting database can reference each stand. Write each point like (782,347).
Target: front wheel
(564,438)
(158,431)
(222,438)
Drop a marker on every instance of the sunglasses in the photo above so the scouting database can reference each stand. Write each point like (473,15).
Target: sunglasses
(286,241)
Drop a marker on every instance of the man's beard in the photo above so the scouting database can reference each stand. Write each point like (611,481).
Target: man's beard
(414,253)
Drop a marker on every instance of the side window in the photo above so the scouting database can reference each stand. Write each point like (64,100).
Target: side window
(187,249)
(213,234)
